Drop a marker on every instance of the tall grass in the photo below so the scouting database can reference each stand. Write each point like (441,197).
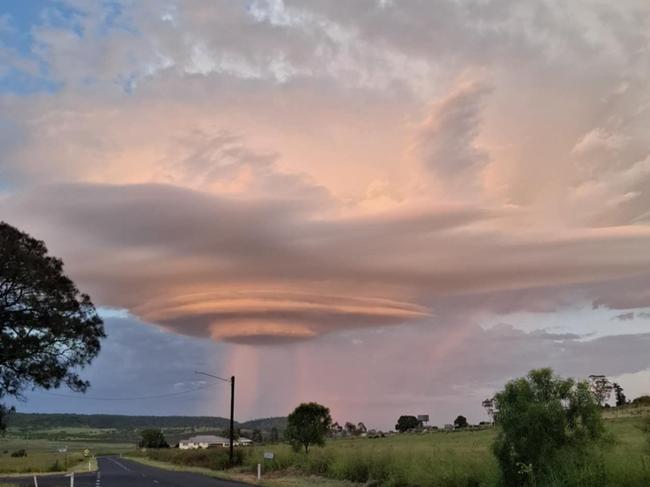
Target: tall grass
(459,459)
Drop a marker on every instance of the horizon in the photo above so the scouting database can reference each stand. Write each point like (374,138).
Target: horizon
(387,208)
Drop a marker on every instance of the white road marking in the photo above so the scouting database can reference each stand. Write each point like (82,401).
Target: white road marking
(118,464)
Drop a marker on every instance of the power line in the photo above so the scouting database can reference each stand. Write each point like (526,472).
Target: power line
(137,398)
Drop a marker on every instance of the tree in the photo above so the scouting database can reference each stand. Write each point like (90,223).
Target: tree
(361,428)
(641,401)
(257,436)
(621,400)
(275,437)
(153,438)
(543,420)
(460,422)
(351,429)
(488,404)
(48,329)
(406,423)
(601,388)
(307,425)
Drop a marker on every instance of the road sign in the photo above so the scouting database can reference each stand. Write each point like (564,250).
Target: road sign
(86,452)
(63,449)
(268,455)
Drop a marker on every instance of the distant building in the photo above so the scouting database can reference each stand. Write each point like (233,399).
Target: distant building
(211,441)
(204,441)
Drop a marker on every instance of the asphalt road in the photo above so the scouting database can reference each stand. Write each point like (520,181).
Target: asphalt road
(119,472)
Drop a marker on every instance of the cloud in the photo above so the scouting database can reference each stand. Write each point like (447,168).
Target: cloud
(625,316)
(446,140)
(262,270)
(339,178)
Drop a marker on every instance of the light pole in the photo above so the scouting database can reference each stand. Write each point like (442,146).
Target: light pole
(232,411)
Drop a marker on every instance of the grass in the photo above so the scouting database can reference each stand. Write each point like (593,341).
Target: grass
(43,456)
(457,459)
(282,480)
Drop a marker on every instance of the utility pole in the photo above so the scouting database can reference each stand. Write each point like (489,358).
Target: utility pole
(232,421)
(232,412)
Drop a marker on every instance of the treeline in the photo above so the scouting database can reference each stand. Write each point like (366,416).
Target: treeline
(43,421)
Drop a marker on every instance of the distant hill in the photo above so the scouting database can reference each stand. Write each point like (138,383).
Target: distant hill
(265,424)
(44,421)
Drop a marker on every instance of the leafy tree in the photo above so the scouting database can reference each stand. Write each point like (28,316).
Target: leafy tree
(621,400)
(153,438)
(488,404)
(351,428)
(542,417)
(48,328)
(307,425)
(257,436)
(407,423)
(601,388)
(460,422)
(361,428)
(641,401)
(275,437)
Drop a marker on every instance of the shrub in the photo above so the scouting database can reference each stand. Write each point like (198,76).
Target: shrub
(153,438)
(546,425)
(19,453)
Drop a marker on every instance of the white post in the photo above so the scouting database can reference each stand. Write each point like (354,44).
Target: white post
(259,471)
(35,481)
(89,467)
(72,480)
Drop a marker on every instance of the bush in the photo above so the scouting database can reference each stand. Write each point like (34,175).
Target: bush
(19,453)
(153,438)
(547,425)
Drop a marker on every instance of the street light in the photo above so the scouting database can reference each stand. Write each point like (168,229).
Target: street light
(232,411)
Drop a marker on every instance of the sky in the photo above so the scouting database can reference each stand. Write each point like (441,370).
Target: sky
(387,207)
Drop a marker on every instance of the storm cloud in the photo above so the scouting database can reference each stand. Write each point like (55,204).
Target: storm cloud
(299,179)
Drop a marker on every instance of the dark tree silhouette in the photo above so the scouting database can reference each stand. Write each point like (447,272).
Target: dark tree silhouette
(257,436)
(621,400)
(152,438)
(48,329)
(460,422)
(406,423)
(307,425)
(601,388)
(275,436)
(488,404)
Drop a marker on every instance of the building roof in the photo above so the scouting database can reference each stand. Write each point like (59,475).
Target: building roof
(210,439)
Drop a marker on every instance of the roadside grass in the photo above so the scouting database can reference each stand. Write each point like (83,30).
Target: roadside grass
(283,480)
(441,459)
(43,456)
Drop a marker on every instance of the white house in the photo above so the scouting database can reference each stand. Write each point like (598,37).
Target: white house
(243,442)
(204,441)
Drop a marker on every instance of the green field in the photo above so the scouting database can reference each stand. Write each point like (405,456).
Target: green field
(452,459)
(440,459)
(43,455)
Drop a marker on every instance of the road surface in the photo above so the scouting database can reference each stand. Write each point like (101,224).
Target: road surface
(119,472)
